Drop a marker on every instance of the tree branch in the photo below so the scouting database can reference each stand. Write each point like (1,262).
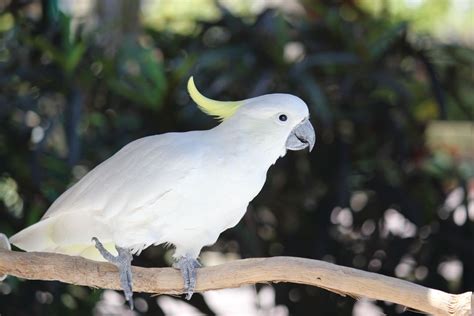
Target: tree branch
(342,280)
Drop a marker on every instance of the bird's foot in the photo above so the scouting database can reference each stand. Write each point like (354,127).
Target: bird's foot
(123,261)
(188,267)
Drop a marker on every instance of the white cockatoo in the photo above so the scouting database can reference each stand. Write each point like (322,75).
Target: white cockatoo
(183,189)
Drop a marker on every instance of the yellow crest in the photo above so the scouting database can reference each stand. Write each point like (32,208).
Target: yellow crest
(218,109)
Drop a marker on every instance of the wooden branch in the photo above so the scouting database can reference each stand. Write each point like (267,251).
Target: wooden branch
(342,280)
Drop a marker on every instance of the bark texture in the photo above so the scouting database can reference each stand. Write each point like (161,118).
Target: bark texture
(339,279)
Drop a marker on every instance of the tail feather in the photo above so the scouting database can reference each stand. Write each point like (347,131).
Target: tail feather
(36,237)
(68,233)
(4,244)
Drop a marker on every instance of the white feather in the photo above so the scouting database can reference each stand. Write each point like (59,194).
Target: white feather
(178,188)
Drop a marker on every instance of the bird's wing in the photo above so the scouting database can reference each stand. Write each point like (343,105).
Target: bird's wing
(140,173)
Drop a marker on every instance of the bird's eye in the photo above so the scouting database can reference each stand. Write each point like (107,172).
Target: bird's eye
(283,117)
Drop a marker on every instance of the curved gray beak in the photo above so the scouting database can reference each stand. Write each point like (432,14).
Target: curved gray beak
(301,136)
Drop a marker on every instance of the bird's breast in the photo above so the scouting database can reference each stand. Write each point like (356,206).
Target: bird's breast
(208,203)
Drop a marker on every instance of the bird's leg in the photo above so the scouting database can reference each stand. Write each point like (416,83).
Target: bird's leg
(188,267)
(123,261)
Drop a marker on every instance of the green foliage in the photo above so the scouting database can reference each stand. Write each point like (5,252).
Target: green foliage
(137,75)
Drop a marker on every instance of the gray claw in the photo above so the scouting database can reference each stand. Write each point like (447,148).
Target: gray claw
(123,261)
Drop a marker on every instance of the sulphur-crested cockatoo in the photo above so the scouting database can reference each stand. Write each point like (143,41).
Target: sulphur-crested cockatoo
(178,188)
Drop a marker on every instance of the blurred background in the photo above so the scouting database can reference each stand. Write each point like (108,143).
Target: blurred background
(389,187)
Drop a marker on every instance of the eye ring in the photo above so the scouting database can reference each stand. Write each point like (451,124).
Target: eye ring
(283,117)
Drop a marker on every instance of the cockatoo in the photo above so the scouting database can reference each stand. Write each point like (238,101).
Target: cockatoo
(182,189)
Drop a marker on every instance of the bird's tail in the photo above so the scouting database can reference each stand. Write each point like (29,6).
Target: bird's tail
(4,244)
(36,237)
(67,233)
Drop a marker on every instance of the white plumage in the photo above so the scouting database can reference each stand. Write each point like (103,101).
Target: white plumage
(178,188)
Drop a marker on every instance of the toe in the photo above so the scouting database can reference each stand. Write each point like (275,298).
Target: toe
(127,290)
(191,280)
(188,267)
(185,273)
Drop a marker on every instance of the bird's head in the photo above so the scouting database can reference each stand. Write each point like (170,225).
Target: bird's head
(281,116)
